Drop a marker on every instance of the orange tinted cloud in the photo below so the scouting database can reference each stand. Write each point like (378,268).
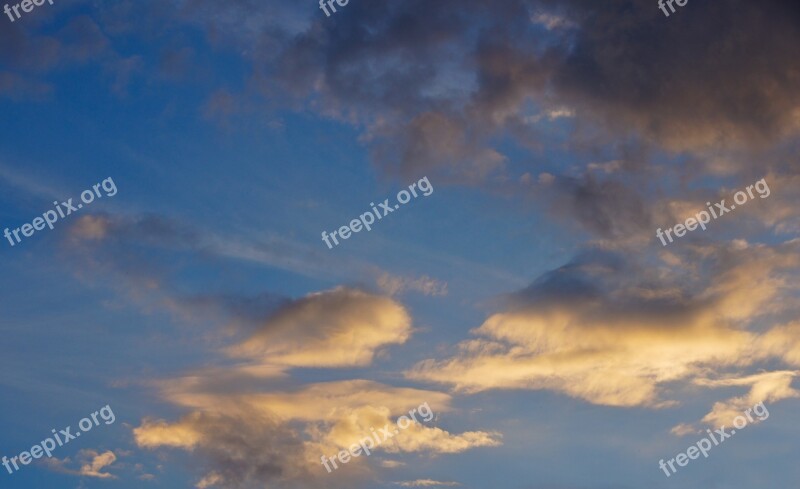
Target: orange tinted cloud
(335,328)
(599,330)
(242,435)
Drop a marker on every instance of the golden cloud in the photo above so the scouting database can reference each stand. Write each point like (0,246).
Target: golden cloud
(335,328)
(301,426)
(614,342)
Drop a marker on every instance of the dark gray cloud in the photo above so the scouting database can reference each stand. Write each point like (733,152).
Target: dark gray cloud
(622,284)
(709,75)
(463,90)
(607,208)
(455,89)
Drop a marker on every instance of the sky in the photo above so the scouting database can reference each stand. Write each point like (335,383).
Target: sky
(245,235)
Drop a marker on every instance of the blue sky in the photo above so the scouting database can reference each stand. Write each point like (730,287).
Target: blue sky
(526,299)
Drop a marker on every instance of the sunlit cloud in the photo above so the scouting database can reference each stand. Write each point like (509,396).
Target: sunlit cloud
(333,416)
(589,330)
(335,328)
(92,464)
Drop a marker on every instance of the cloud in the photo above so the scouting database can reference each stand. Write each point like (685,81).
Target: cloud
(425,285)
(336,328)
(426,483)
(433,91)
(240,447)
(607,208)
(433,142)
(151,229)
(92,464)
(552,21)
(768,387)
(609,331)
(127,242)
(783,341)
(660,87)
(97,464)
(462,99)
(36,52)
(681,96)
(233,407)
(156,433)
(249,436)
(456,99)
(210,480)
(244,310)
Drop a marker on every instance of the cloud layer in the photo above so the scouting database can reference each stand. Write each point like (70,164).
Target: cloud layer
(598,330)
